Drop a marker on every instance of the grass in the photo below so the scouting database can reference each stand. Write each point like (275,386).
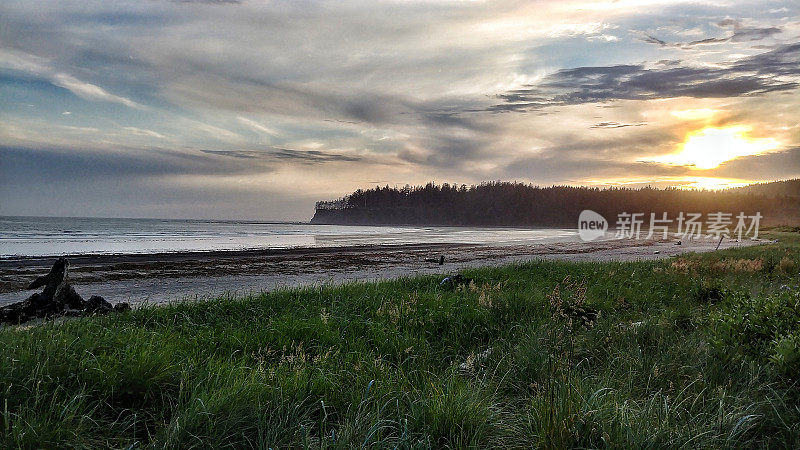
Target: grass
(700,351)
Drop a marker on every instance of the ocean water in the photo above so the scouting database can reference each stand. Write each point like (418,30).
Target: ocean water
(52,236)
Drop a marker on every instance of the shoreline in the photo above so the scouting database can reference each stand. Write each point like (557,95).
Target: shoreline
(169,277)
(95,258)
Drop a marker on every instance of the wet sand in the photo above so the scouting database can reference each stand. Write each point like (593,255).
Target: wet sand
(169,277)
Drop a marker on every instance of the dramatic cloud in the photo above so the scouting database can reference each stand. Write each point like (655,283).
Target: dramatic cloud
(256,109)
(776,70)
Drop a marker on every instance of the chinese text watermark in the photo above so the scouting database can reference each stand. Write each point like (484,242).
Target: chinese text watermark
(592,225)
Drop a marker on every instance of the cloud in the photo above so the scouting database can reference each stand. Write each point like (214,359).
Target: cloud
(767,72)
(617,125)
(89,91)
(213,131)
(258,126)
(316,98)
(780,165)
(53,165)
(40,67)
(592,31)
(66,182)
(311,156)
(302,156)
(582,169)
(144,132)
(739,33)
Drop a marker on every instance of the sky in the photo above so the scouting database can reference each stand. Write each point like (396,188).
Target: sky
(257,109)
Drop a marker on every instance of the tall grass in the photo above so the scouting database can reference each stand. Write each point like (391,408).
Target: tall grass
(700,351)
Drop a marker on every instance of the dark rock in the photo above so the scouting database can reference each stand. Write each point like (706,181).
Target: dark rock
(67,297)
(57,299)
(35,306)
(122,307)
(57,276)
(98,305)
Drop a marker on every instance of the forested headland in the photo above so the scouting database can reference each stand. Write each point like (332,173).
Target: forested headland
(518,204)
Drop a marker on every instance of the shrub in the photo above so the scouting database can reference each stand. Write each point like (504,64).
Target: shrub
(762,327)
(785,354)
(786,265)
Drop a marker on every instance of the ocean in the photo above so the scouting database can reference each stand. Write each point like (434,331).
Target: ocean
(55,236)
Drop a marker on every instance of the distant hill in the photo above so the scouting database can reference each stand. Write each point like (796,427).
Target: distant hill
(525,205)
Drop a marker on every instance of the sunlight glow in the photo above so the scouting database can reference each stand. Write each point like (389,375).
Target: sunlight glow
(710,183)
(694,114)
(709,147)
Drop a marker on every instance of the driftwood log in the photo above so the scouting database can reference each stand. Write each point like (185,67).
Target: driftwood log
(439,260)
(57,299)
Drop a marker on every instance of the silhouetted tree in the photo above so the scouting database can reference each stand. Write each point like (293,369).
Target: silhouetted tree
(499,203)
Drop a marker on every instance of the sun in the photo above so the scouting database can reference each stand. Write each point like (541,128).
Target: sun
(711,146)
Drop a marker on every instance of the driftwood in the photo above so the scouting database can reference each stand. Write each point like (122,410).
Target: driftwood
(439,260)
(57,299)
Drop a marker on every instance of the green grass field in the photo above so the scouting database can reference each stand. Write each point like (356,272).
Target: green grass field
(702,351)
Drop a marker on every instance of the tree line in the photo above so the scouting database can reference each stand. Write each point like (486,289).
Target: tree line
(518,204)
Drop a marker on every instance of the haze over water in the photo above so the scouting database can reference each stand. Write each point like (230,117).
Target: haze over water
(53,236)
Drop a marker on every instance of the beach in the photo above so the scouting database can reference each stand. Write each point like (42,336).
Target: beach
(175,276)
